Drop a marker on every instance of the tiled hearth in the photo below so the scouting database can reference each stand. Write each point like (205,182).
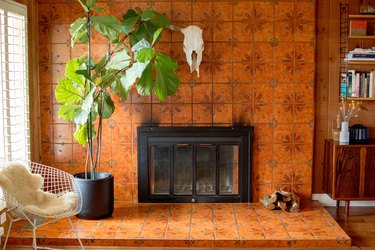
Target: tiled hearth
(196,225)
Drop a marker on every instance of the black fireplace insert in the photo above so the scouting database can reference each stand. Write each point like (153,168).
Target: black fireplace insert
(194,164)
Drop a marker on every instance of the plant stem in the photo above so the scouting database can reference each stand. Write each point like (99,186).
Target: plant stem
(89,129)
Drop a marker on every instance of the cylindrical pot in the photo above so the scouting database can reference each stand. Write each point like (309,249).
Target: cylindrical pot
(344,133)
(97,196)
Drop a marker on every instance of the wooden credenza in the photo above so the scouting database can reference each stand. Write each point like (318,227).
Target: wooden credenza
(349,172)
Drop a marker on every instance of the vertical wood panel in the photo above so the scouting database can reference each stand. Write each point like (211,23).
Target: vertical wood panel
(327,83)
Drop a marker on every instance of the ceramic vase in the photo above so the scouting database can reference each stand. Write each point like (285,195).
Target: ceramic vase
(344,133)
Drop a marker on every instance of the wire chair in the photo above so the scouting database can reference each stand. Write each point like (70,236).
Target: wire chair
(55,182)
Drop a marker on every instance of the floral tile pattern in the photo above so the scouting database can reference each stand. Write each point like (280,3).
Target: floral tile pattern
(257,69)
(192,225)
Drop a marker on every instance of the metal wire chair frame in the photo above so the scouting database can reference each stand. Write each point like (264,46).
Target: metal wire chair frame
(55,181)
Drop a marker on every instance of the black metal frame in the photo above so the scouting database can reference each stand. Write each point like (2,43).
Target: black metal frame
(194,135)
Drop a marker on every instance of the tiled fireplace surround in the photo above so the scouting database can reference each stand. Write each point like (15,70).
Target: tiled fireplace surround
(258,69)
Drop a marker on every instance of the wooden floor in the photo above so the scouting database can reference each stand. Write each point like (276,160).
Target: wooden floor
(360,226)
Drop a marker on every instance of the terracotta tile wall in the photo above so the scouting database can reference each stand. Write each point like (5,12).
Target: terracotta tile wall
(258,69)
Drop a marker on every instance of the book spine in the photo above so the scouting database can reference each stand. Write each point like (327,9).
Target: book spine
(371,85)
(350,83)
(343,84)
(356,86)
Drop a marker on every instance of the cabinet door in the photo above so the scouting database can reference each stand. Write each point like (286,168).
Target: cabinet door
(369,185)
(347,172)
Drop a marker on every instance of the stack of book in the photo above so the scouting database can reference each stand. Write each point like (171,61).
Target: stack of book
(358,84)
(359,54)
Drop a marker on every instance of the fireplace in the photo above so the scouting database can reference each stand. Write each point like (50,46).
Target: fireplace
(194,164)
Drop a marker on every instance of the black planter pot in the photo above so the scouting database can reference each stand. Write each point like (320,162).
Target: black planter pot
(97,196)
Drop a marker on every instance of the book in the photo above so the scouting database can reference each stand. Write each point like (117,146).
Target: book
(358,27)
(355,88)
(371,85)
(350,80)
(343,84)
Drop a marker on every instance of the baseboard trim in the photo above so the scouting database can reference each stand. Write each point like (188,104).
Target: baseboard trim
(325,200)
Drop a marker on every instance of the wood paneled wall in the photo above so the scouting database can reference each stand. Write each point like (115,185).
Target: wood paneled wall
(327,84)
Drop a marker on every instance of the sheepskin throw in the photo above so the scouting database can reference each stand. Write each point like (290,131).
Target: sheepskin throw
(25,187)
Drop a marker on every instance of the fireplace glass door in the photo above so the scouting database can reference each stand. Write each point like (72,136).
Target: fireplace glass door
(194,169)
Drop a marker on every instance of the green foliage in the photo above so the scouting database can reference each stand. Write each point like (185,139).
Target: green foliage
(86,90)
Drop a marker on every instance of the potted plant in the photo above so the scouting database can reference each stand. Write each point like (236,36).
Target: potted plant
(87,88)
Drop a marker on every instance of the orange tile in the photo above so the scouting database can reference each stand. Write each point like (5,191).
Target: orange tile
(177,235)
(152,234)
(222,72)
(202,11)
(59,33)
(128,235)
(222,113)
(221,31)
(60,53)
(181,113)
(109,225)
(222,11)
(242,31)
(181,11)
(99,234)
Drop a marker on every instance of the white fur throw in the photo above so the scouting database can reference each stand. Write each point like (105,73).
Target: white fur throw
(25,187)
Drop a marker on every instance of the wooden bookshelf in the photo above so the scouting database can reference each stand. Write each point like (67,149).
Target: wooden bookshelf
(361,62)
(360,98)
(361,37)
(368,16)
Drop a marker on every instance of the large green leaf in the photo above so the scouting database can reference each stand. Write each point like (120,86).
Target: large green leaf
(118,89)
(146,82)
(129,13)
(108,77)
(71,68)
(67,91)
(81,134)
(145,31)
(68,111)
(129,23)
(87,103)
(160,20)
(81,117)
(100,65)
(146,55)
(156,35)
(141,45)
(108,106)
(132,74)
(147,14)
(108,26)
(119,61)
(90,3)
(78,31)
(167,81)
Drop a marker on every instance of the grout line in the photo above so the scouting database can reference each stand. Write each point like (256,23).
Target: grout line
(259,222)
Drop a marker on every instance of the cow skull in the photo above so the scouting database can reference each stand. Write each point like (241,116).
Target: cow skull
(193,46)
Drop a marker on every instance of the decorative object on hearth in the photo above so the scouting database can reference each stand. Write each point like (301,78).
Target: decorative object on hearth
(281,199)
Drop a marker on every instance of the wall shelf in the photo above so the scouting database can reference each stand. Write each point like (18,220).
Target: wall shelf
(360,99)
(361,62)
(368,16)
(361,37)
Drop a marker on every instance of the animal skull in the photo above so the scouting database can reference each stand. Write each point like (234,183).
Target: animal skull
(193,46)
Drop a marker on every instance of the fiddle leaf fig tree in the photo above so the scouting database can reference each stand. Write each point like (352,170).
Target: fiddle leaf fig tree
(131,59)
